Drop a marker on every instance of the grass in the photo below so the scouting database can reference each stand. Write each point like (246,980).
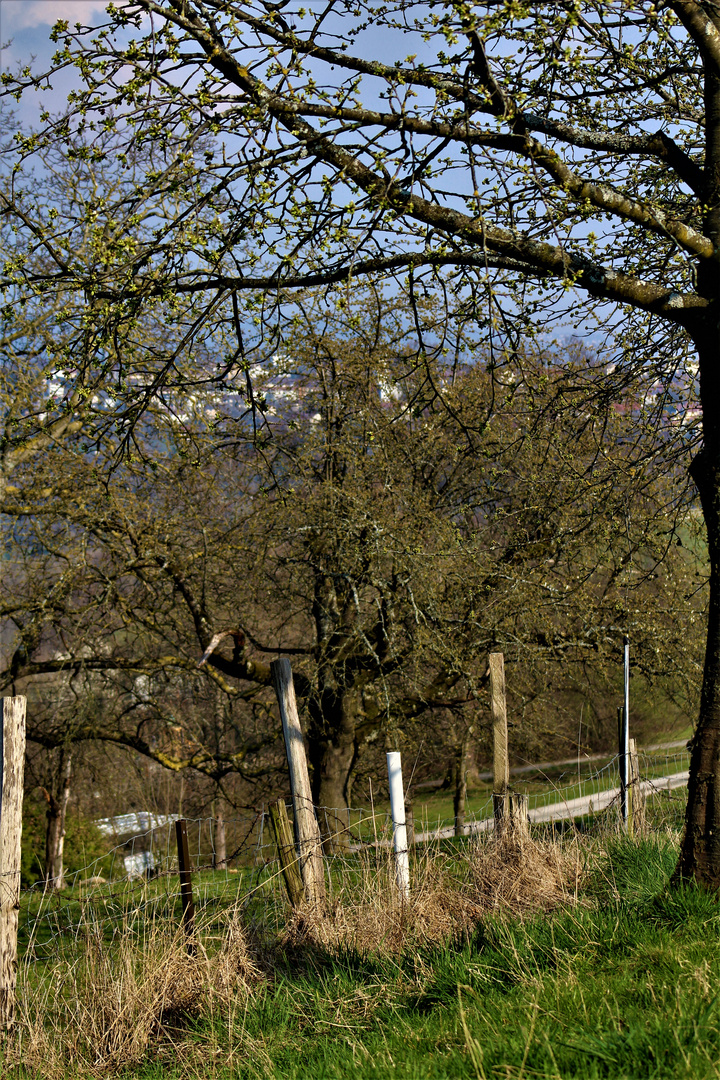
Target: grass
(556,959)
(619,990)
(547,787)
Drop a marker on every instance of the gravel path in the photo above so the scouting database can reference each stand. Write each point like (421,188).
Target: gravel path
(566,808)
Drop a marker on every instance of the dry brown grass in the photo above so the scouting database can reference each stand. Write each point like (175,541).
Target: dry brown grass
(516,876)
(512,876)
(380,922)
(104,1011)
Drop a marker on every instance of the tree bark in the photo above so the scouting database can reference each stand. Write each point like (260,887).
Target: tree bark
(55,829)
(700,850)
(331,749)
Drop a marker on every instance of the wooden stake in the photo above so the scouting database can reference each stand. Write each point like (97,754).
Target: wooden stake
(636,799)
(286,852)
(186,893)
(501,765)
(308,832)
(12,767)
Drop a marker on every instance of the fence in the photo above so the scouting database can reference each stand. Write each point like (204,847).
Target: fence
(168,873)
(111,896)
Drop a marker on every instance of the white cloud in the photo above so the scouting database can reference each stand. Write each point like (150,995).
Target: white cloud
(20,14)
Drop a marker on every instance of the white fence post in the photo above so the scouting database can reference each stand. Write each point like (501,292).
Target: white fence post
(397,809)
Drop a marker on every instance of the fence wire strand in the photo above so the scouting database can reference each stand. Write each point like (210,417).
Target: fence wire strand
(134,886)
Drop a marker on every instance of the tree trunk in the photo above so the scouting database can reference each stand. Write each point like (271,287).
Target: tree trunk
(55,829)
(409,820)
(460,797)
(460,777)
(700,850)
(331,750)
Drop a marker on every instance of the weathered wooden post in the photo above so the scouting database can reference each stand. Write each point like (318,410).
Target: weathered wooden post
(286,852)
(186,894)
(624,747)
(397,810)
(636,800)
(501,765)
(306,825)
(519,819)
(12,768)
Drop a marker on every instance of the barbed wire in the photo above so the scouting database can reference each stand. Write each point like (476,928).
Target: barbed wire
(133,888)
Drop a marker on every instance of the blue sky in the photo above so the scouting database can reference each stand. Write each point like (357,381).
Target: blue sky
(29,15)
(28,22)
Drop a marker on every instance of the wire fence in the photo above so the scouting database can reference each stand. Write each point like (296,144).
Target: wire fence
(134,887)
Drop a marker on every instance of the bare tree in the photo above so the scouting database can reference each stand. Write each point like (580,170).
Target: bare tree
(383,535)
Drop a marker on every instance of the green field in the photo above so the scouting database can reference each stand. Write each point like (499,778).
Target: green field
(551,785)
(619,979)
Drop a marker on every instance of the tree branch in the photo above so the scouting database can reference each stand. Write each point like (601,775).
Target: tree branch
(658,144)
(555,260)
(700,27)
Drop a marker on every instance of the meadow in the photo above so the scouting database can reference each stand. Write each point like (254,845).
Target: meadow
(561,955)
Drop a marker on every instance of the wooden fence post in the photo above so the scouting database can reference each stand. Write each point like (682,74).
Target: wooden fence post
(12,768)
(286,852)
(308,831)
(501,765)
(519,820)
(186,894)
(636,799)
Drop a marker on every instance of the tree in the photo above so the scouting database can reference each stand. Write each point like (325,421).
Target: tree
(548,152)
(386,538)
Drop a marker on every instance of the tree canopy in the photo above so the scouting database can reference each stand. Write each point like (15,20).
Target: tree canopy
(387,535)
(553,158)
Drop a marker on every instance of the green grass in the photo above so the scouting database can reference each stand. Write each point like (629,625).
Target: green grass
(623,984)
(627,988)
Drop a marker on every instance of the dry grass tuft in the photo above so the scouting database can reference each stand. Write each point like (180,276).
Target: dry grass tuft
(235,968)
(382,923)
(104,1011)
(512,875)
(517,876)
